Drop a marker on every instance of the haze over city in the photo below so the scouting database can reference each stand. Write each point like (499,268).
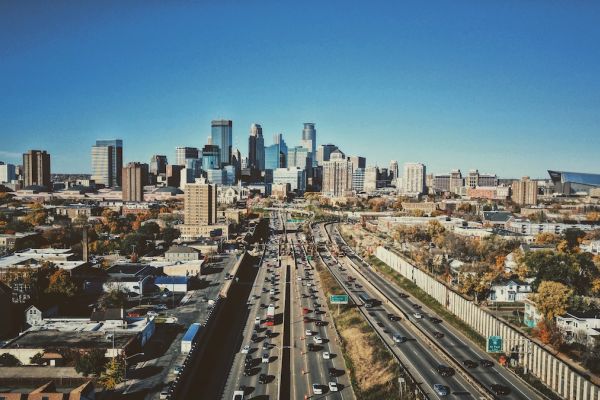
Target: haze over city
(509,87)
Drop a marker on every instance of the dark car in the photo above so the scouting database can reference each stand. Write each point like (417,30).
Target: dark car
(247,371)
(416,306)
(486,363)
(444,370)
(332,372)
(500,390)
(437,334)
(268,333)
(380,324)
(470,364)
(319,323)
(262,378)
(403,295)
(393,317)
(435,320)
(311,347)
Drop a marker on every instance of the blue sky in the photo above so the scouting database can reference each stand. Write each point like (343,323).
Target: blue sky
(510,87)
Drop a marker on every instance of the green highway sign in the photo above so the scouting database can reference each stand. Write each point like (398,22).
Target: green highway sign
(494,344)
(338,299)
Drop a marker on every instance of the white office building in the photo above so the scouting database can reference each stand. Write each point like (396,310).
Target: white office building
(295,176)
(413,181)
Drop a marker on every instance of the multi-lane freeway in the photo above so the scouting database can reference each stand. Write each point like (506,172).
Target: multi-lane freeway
(473,361)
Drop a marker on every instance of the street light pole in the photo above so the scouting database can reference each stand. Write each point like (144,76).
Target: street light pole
(125,372)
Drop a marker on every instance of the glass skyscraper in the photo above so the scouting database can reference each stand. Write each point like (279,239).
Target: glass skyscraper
(107,162)
(221,135)
(309,140)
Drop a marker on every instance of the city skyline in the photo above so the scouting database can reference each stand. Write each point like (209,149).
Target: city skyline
(442,91)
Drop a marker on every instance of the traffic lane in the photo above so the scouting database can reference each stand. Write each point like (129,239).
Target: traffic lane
(300,364)
(460,350)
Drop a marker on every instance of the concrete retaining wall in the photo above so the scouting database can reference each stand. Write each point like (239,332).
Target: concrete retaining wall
(553,372)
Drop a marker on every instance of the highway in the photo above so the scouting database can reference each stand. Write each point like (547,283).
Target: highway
(309,366)
(459,346)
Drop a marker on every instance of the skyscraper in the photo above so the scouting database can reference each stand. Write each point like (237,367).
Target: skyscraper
(7,173)
(36,168)
(337,175)
(414,178)
(299,156)
(525,191)
(211,157)
(107,162)
(135,176)
(309,140)
(256,148)
(357,162)
(370,181)
(324,151)
(185,153)
(221,135)
(158,164)
(394,170)
(200,203)
(276,154)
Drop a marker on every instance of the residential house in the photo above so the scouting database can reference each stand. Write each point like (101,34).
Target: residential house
(532,316)
(182,253)
(35,315)
(580,327)
(509,290)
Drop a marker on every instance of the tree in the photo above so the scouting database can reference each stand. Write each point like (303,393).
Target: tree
(114,373)
(8,360)
(591,358)
(60,283)
(113,298)
(149,229)
(552,299)
(90,363)
(546,238)
(548,333)
(38,358)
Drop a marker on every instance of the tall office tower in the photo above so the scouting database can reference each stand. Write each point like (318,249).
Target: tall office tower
(236,163)
(414,178)
(158,164)
(107,162)
(358,179)
(324,152)
(394,171)
(309,140)
(221,135)
(337,175)
(358,162)
(135,176)
(276,154)
(200,203)
(370,180)
(211,157)
(36,168)
(256,148)
(7,173)
(456,180)
(525,191)
(185,153)
(173,172)
(299,156)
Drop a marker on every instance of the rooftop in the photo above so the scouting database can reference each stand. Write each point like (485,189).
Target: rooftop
(181,249)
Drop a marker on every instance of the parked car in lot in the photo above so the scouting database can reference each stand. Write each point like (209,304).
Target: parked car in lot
(238,395)
(246,349)
(262,378)
(265,358)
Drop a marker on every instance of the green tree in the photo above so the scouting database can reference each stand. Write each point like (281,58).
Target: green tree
(170,234)
(591,358)
(8,360)
(149,229)
(38,358)
(114,373)
(113,298)
(90,363)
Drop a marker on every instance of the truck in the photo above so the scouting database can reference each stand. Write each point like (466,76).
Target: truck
(270,315)
(190,337)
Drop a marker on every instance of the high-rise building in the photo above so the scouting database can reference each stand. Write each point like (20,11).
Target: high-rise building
(414,178)
(36,168)
(358,180)
(299,156)
(441,183)
(276,154)
(324,152)
(135,176)
(107,162)
(173,174)
(7,173)
(370,181)
(185,153)
(256,148)
(456,180)
(158,164)
(309,140)
(337,175)
(221,133)
(474,179)
(294,176)
(236,163)
(394,170)
(200,203)
(525,191)
(211,157)
(358,162)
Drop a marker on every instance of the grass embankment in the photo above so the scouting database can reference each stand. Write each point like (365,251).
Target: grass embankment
(429,301)
(373,369)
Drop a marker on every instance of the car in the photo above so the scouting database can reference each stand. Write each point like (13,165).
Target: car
(393,317)
(268,333)
(163,395)
(440,389)
(265,358)
(262,305)
(416,306)
(380,324)
(486,363)
(402,295)
(317,339)
(470,364)
(398,338)
(257,321)
(238,395)
(247,371)
(317,389)
(246,349)
(306,320)
(266,345)
(500,390)
(332,372)
(320,323)
(437,334)
(177,369)
(333,386)
(435,320)
(418,315)
(299,278)
(444,370)
(308,332)
(254,337)
(326,355)
(310,346)
(262,378)
(160,307)
(152,314)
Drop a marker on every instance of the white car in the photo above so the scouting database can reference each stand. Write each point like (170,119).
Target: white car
(152,314)
(418,315)
(333,387)
(317,389)
(308,284)
(326,355)
(246,349)
(308,332)
(265,358)
(317,339)
(257,321)
(299,278)
(238,395)
(272,291)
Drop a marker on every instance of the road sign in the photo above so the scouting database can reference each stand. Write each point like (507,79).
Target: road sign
(494,344)
(338,299)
